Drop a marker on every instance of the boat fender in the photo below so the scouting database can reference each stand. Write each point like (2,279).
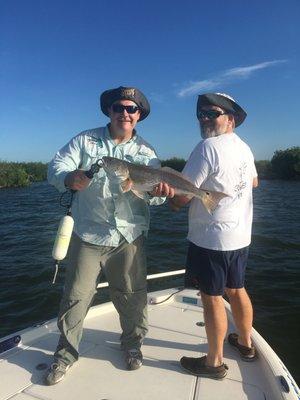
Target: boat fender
(63,237)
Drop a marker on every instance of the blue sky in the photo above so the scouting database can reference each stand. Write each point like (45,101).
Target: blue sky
(57,57)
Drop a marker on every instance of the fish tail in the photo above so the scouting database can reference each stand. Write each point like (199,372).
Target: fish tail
(211,199)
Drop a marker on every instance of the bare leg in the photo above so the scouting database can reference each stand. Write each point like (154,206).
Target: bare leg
(242,313)
(216,326)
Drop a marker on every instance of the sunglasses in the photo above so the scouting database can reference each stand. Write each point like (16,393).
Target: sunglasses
(119,108)
(210,114)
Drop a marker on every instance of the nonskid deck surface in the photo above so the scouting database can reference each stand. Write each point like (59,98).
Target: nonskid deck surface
(174,331)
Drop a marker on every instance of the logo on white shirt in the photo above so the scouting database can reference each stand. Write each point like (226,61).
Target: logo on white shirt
(242,184)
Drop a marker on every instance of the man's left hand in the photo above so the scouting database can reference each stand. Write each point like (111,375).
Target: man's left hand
(163,190)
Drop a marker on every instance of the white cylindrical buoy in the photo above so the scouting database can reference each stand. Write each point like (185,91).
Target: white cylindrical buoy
(63,236)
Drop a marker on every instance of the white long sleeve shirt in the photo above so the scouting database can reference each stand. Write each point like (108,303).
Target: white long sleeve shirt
(102,213)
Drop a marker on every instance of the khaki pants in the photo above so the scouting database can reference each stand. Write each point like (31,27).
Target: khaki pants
(125,270)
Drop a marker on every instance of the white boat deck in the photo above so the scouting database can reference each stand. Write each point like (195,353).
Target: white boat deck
(100,373)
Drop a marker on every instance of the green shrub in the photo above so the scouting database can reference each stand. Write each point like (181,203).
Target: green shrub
(286,163)
(14,174)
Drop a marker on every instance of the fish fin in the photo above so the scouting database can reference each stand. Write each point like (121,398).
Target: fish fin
(126,185)
(174,172)
(138,194)
(211,199)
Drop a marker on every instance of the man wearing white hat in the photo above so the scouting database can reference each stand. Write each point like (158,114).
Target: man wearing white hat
(219,242)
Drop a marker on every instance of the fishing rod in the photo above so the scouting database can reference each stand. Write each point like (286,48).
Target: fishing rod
(65,228)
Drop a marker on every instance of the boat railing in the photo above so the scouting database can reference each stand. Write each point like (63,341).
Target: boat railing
(152,276)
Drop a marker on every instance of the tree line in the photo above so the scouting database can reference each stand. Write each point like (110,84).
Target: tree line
(285,164)
(18,174)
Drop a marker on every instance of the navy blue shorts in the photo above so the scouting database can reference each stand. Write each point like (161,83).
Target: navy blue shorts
(213,270)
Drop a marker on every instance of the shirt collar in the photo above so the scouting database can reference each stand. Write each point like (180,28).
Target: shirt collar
(108,137)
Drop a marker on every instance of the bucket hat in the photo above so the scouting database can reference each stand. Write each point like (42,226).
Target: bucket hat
(224,101)
(108,97)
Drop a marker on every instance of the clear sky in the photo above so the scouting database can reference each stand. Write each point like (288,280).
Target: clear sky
(58,56)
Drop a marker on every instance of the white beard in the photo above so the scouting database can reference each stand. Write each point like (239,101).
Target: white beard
(209,133)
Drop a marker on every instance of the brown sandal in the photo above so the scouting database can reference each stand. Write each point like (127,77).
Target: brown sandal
(196,366)
(246,353)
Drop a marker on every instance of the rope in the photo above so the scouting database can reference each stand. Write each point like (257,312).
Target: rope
(163,301)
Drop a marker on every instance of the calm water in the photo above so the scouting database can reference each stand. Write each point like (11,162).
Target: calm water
(29,218)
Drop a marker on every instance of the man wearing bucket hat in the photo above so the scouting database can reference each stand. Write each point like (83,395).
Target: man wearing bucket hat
(109,230)
(218,242)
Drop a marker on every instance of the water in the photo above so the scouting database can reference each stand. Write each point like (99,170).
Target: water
(29,218)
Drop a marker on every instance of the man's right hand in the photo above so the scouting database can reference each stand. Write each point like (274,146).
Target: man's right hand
(77,180)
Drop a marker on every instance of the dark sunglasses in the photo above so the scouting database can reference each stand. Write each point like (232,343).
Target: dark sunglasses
(210,114)
(119,108)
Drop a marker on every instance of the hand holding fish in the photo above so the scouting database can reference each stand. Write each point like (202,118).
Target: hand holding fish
(77,180)
(163,190)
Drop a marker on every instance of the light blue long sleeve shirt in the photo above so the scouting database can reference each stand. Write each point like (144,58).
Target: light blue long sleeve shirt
(103,214)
